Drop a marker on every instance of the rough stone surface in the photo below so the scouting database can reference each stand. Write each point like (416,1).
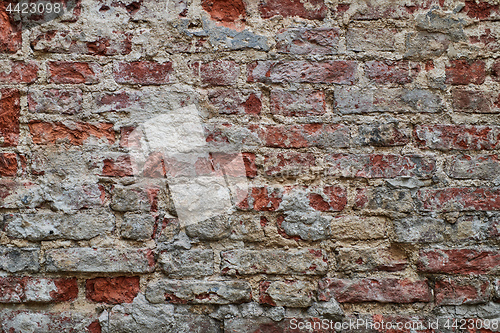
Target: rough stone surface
(302,262)
(187,263)
(99,260)
(49,225)
(198,292)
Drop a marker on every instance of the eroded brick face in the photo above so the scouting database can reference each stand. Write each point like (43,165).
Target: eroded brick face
(225,166)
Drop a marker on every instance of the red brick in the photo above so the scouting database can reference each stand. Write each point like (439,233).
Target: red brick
(19,72)
(233,164)
(307,135)
(459,137)
(42,290)
(10,109)
(379,166)
(112,290)
(70,42)
(262,199)
(459,261)
(224,11)
(290,163)
(301,103)
(328,198)
(233,101)
(383,290)
(10,32)
(475,101)
(217,73)
(459,199)
(308,40)
(308,9)
(495,70)
(56,101)
(399,72)
(463,72)
(461,291)
(334,71)
(74,72)
(8,164)
(479,9)
(118,167)
(75,133)
(142,72)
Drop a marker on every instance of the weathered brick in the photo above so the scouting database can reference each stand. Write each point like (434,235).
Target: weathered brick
(262,199)
(8,164)
(475,101)
(369,259)
(217,73)
(49,225)
(299,103)
(11,35)
(425,45)
(474,167)
(459,261)
(137,103)
(245,262)
(18,72)
(382,135)
(75,133)
(463,72)
(142,72)
(373,39)
(419,229)
(295,294)
(457,137)
(481,10)
(119,166)
(351,100)
(47,321)
(55,101)
(383,290)
(450,291)
(54,41)
(307,135)
(308,40)
(334,71)
(250,229)
(19,259)
(288,164)
(40,290)
(113,290)
(384,199)
(379,166)
(199,292)
(142,316)
(233,101)
(10,108)
(137,226)
(398,72)
(309,9)
(73,72)
(224,11)
(99,260)
(319,198)
(354,227)
(459,199)
(195,263)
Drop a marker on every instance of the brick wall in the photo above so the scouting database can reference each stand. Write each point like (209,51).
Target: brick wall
(368,135)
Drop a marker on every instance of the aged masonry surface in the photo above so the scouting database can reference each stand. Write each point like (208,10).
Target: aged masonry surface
(250,166)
